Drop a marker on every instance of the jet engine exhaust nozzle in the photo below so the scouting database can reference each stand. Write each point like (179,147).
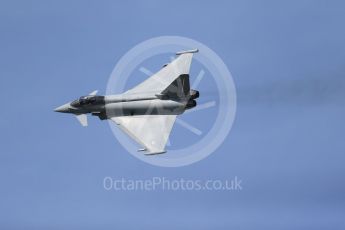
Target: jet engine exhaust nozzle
(194,94)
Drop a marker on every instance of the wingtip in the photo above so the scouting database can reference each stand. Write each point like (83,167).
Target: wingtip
(155,152)
(187,51)
(151,152)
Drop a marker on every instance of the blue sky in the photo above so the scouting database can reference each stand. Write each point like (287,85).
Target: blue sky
(287,61)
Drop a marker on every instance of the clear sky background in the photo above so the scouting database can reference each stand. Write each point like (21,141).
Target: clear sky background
(287,144)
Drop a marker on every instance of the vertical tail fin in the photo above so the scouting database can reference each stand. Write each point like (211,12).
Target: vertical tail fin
(179,88)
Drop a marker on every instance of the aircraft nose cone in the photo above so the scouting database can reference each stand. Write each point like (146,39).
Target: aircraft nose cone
(62,109)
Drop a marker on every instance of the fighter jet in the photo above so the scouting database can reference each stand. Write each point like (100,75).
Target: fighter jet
(147,112)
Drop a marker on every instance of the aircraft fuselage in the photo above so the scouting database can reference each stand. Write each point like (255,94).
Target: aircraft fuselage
(126,105)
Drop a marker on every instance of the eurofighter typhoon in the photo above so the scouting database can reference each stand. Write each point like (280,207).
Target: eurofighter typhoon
(147,112)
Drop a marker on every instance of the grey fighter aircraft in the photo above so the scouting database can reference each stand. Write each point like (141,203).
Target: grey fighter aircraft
(148,111)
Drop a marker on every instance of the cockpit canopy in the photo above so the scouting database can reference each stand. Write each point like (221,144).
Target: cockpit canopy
(88,100)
